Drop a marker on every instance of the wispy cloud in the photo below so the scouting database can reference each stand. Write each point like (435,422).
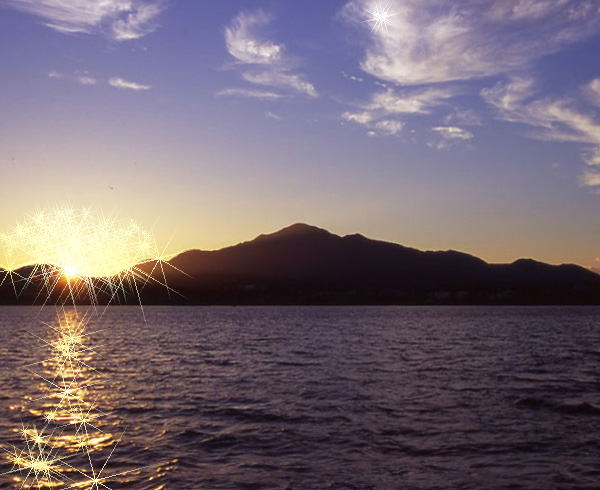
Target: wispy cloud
(590,177)
(264,62)
(592,90)
(243,92)
(282,79)
(556,118)
(243,43)
(138,22)
(390,102)
(118,82)
(273,115)
(80,77)
(118,19)
(450,135)
(429,44)
(553,119)
(364,117)
(592,157)
(508,97)
(86,80)
(429,41)
(354,78)
(463,117)
(387,127)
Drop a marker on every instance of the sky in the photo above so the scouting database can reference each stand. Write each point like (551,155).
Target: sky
(468,125)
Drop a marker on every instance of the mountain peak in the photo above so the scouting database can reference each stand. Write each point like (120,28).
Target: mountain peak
(296,230)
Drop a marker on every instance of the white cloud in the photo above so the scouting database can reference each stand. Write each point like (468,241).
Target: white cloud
(242,92)
(282,79)
(118,82)
(119,19)
(354,78)
(592,157)
(592,90)
(429,41)
(398,102)
(242,43)
(553,119)
(525,9)
(86,80)
(384,127)
(358,117)
(80,77)
(272,115)
(412,101)
(389,127)
(508,97)
(268,64)
(450,135)
(453,133)
(136,23)
(556,119)
(590,178)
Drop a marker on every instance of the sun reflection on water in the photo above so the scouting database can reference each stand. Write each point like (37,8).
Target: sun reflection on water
(66,440)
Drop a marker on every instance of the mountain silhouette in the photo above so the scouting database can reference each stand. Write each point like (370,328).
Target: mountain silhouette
(303,264)
(306,264)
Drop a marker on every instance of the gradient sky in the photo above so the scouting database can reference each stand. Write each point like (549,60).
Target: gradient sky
(470,125)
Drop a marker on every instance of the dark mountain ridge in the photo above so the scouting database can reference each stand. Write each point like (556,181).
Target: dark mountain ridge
(303,264)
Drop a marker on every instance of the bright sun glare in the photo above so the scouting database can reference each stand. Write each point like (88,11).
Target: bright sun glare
(69,271)
(97,255)
(79,242)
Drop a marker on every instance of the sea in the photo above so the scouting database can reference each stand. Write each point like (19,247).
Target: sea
(300,397)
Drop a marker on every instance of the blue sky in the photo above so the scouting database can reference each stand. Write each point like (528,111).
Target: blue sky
(470,125)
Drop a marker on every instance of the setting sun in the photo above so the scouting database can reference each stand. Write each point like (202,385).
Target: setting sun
(80,243)
(69,271)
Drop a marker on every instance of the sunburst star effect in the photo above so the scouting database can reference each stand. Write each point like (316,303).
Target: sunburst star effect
(77,253)
(380,17)
(72,425)
(73,254)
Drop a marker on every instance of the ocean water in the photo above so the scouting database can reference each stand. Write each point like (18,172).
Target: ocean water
(301,398)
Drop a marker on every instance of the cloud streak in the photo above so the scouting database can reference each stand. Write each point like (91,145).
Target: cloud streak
(119,19)
(553,119)
(265,62)
(282,79)
(397,103)
(80,77)
(250,93)
(433,41)
(450,135)
(121,83)
(243,43)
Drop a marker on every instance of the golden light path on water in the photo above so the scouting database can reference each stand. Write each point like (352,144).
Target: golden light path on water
(69,446)
(70,253)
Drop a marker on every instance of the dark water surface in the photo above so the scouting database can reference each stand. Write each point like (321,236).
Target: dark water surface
(313,397)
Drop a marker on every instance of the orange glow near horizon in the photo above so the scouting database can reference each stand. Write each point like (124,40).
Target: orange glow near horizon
(79,242)
(70,272)
(76,252)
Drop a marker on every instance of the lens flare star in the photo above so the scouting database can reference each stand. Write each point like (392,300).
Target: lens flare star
(80,242)
(64,452)
(81,256)
(380,17)
(72,256)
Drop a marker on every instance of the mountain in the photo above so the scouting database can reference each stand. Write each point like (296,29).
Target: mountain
(303,264)
(306,264)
